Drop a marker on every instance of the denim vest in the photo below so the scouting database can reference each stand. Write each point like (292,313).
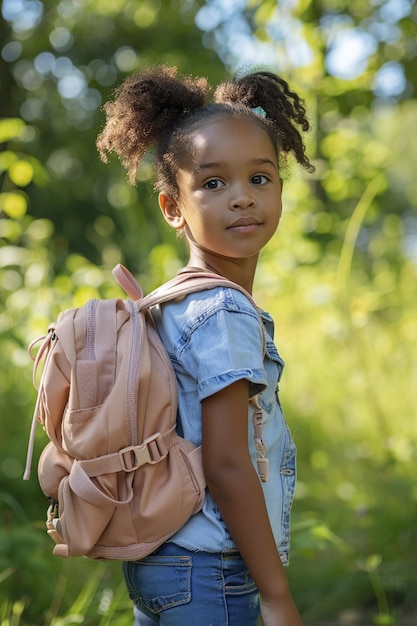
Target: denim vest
(214,339)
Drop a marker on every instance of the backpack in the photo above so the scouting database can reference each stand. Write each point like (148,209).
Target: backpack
(119,477)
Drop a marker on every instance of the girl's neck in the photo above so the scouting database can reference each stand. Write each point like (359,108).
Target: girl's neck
(240,271)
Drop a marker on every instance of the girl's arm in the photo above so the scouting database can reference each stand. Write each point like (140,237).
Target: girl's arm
(235,486)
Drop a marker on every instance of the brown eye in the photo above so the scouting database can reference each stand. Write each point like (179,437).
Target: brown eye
(259,179)
(214,183)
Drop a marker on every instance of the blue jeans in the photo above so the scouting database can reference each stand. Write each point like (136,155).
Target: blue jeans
(174,587)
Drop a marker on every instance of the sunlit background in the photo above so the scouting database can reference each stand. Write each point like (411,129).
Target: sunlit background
(339,277)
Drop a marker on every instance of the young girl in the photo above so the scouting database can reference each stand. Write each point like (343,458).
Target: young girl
(218,177)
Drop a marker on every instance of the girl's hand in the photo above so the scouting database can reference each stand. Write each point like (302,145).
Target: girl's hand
(280,612)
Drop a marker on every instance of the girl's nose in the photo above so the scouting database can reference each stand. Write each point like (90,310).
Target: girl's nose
(242,199)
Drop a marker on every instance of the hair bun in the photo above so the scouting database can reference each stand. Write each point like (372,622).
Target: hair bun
(144,106)
(158,92)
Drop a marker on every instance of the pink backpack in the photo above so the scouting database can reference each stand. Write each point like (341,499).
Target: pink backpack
(120,479)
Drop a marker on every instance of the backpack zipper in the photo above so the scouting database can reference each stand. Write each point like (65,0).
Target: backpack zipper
(132,383)
(90,330)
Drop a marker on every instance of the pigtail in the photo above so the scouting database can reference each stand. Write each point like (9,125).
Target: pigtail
(282,107)
(142,110)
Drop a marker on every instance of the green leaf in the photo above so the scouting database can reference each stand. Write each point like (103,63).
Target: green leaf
(21,173)
(13,204)
(11,128)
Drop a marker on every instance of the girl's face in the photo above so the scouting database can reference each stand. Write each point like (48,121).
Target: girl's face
(229,191)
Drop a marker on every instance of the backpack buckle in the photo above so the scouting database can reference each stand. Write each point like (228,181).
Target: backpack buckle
(152,450)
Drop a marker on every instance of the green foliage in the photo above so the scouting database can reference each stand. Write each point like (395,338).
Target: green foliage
(100,601)
(339,279)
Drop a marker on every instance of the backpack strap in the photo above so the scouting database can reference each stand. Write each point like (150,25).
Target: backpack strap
(43,350)
(191,281)
(262,461)
(188,280)
(127,282)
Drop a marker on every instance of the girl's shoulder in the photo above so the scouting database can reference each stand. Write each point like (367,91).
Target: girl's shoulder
(207,311)
(208,302)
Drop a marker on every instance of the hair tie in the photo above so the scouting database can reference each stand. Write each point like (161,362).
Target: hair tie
(259,111)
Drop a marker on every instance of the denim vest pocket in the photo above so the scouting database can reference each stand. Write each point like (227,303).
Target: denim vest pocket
(273,355)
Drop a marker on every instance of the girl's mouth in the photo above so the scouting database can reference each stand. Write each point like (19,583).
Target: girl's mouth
(244,224)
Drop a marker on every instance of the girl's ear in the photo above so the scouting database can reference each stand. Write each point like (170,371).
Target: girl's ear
(171,211)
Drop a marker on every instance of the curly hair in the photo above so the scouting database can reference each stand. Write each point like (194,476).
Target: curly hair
(155,109)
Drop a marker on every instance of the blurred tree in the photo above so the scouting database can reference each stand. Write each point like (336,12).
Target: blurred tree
(356,64)
(60,61)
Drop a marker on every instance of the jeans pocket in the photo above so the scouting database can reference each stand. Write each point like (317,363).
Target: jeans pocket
(159,582)
(237,579)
